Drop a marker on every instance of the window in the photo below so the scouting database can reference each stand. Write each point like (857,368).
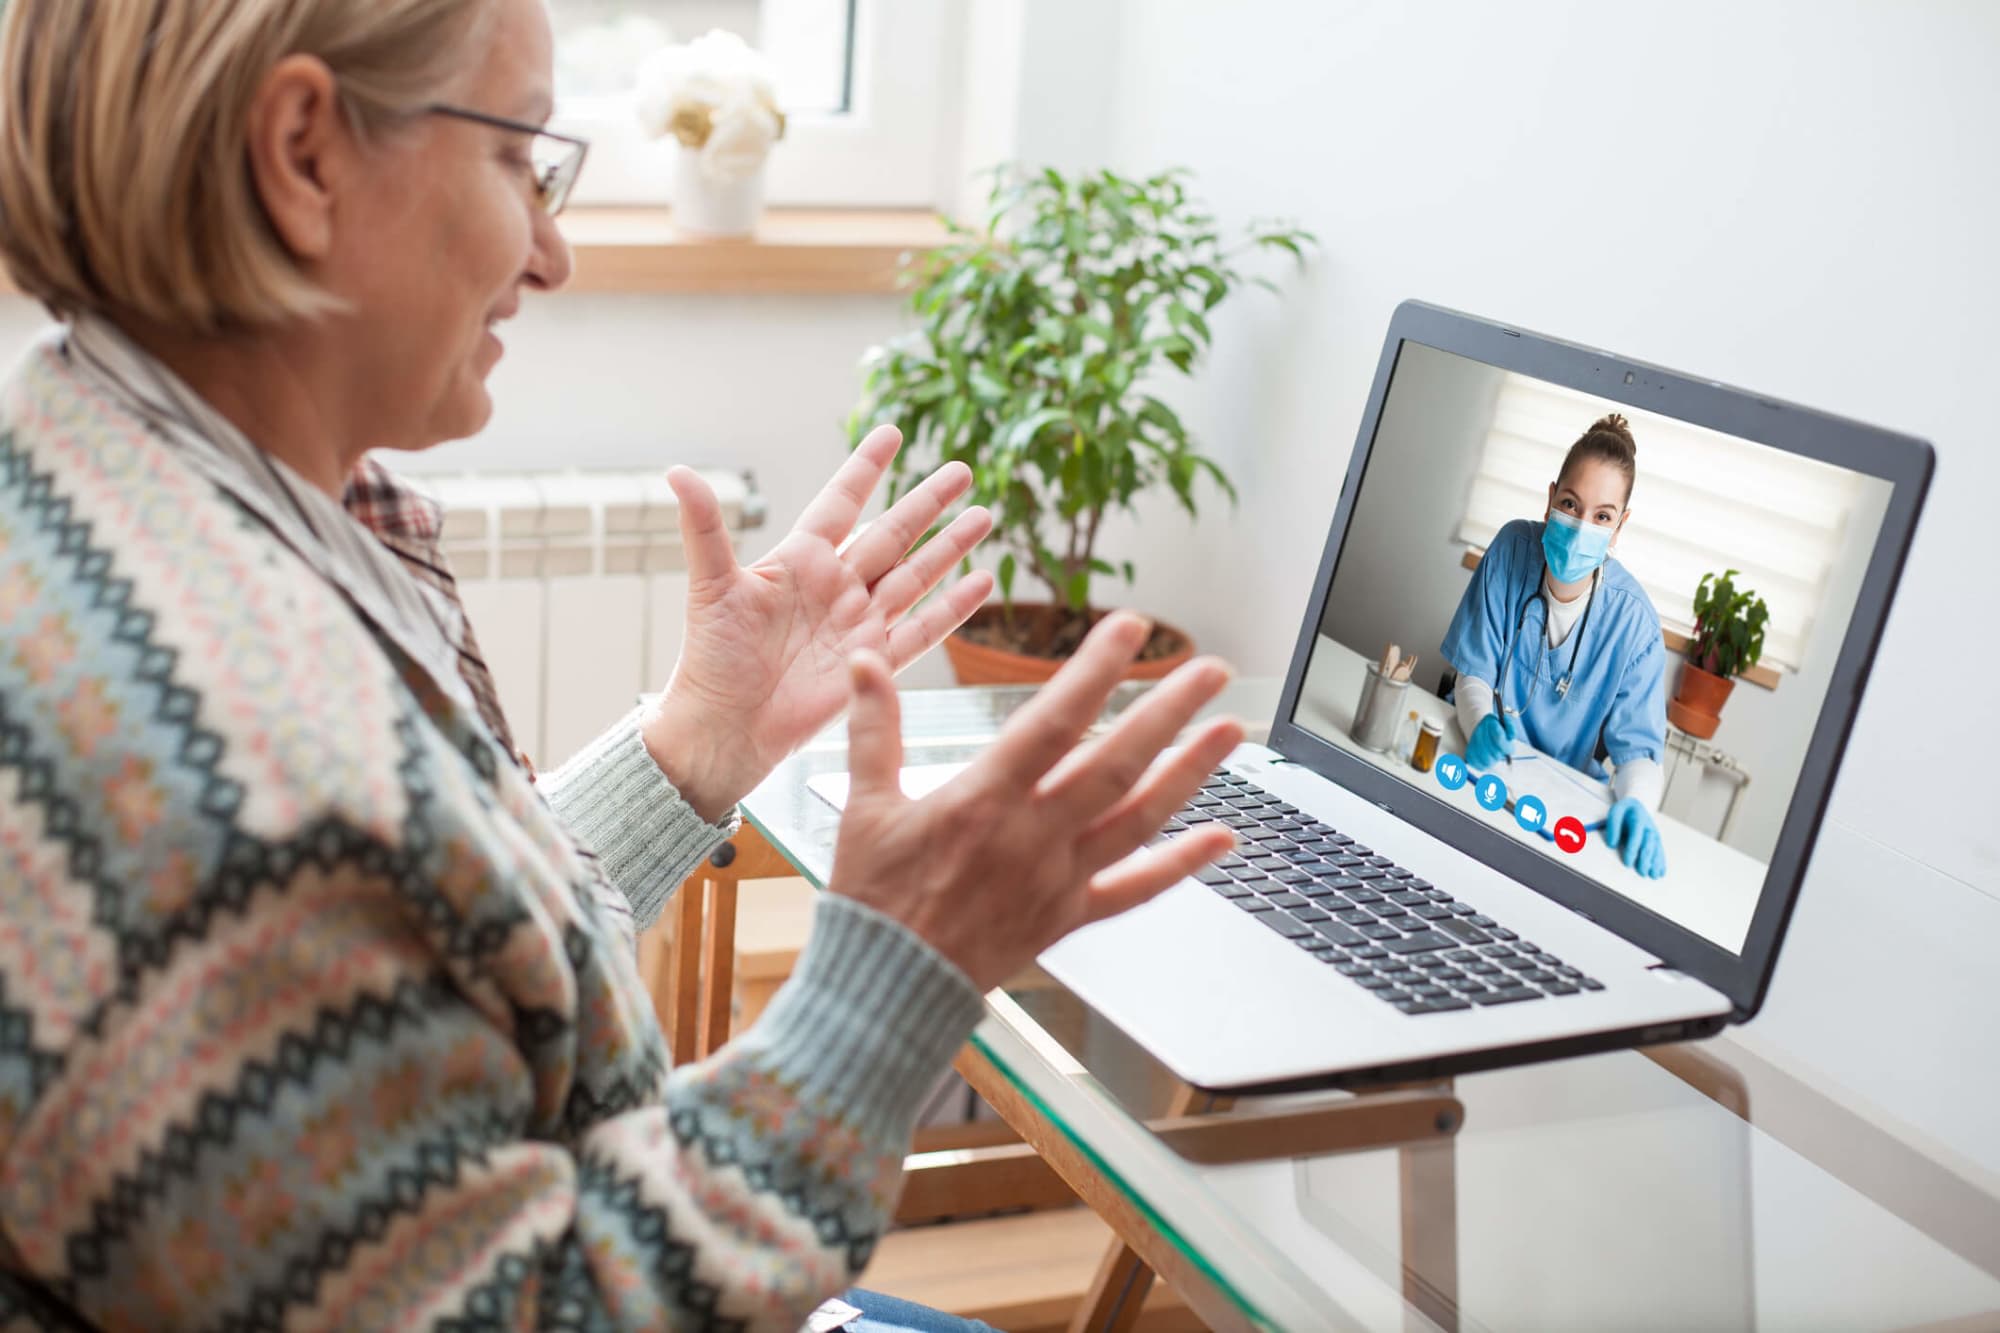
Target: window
(1782,525)
(864,84)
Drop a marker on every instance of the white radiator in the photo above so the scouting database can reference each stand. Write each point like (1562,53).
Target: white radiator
(577,588)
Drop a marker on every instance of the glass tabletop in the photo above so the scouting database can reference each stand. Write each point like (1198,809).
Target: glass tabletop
(1688,1187)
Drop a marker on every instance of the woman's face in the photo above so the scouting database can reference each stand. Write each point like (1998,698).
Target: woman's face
(447,232)
(1593,493)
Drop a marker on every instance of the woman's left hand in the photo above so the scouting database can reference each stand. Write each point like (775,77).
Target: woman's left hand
(764,663)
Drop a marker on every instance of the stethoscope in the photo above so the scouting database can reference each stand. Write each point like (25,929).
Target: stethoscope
(1520,623)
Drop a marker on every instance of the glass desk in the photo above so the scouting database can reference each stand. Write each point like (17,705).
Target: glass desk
(1684,1187)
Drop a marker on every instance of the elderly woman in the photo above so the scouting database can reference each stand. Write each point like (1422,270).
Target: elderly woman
(316,1009)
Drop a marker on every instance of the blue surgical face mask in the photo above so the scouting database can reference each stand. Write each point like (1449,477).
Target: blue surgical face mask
(1571,549)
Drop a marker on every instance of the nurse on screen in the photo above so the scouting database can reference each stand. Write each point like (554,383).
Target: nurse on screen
(1555,643)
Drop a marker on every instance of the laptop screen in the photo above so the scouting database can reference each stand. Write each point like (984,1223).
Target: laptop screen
(1604,631)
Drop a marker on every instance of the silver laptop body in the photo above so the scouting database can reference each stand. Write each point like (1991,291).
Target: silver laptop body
(1238,1000)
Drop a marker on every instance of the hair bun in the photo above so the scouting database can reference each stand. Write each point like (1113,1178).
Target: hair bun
(1614,423)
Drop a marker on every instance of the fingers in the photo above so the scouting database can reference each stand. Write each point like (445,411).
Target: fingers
(874,728)
(1043,731)
(915,635)
(903,586)
(877,548)
(834,510)
(1164,789)
(1512,723)
(1088,781)
(1138,879)
(705,537)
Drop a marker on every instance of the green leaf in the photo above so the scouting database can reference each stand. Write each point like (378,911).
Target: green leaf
(1078,590)
(1004,576)
(1028,427)
(1181,317)
(1157,413)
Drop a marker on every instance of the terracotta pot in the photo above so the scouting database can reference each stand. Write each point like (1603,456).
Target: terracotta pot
(982,664)
(1696,707)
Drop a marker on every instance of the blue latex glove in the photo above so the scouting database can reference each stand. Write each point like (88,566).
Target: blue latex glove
(1629,827)
(1492,741)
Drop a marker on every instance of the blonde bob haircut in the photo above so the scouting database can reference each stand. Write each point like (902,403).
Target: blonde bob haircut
(125,182)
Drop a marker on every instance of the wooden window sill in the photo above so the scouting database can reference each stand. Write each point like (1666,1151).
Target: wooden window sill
(796,251)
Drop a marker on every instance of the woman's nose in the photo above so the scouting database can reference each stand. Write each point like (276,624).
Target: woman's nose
(550,263)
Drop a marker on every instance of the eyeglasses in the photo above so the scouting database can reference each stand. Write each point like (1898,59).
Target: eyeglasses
(557,158)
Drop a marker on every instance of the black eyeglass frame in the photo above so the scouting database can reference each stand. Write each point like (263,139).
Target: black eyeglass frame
(554,188)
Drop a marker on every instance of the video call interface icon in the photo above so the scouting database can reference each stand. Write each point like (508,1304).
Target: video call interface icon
(1530,811)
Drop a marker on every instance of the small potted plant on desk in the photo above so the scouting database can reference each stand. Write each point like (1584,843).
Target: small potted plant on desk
(1728,640)
(1036,346)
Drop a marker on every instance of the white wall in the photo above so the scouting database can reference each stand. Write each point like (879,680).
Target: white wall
(1799,198)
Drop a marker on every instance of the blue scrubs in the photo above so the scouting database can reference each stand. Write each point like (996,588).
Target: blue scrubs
(1617,700)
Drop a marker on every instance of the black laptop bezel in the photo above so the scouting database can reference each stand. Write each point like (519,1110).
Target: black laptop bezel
(1905,462)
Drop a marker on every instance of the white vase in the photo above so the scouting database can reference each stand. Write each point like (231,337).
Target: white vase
(707,207)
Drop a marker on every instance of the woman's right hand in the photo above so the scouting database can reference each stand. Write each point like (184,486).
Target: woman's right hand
(1492,741)
(1037,837)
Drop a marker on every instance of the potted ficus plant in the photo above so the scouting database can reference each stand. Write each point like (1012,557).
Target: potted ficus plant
(1728,640)
(1039,342)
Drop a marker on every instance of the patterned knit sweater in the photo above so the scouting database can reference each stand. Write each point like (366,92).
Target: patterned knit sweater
(312,1013)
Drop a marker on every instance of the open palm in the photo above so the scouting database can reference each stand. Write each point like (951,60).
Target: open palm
(764,662)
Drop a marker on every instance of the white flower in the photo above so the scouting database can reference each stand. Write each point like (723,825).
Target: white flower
(739,139)
(733,61)
(682,90)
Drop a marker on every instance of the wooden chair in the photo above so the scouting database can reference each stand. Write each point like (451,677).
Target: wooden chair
(693,968)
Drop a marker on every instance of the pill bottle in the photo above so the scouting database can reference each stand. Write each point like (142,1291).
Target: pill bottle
(1425,753)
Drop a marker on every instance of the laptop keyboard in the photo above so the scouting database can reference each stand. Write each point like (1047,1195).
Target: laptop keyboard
(1402,939)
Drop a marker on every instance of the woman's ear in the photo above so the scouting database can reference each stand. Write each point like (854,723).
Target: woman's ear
(296,140)
(1550,507)
(1619,531)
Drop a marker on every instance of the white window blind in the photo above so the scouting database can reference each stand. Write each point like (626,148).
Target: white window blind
(1703,502)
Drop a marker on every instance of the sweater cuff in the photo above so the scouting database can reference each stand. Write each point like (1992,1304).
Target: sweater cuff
(869,1019)
(620,806)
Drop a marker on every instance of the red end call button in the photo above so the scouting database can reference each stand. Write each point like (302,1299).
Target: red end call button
(1569,833)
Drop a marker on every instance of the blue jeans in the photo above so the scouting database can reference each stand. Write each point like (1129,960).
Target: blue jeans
(887,1314)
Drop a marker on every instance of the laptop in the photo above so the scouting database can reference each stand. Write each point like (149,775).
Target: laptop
(1395,912)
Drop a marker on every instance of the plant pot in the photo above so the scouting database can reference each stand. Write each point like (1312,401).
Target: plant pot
(703,206)
(976,663)
(1696,707)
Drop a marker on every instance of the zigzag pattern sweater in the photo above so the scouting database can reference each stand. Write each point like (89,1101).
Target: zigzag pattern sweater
(313,1014)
